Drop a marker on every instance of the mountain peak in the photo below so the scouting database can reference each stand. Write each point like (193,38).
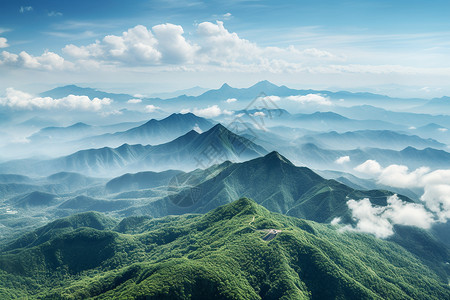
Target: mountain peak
(274,156)
(242,206)
(225,86)
(265,84)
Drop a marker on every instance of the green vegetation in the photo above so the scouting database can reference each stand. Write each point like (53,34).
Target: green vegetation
(217,255)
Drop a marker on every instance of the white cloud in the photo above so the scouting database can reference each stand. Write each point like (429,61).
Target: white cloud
(137,45)
(399,176)
(442,129)
(436,184)
(151,108)
(134,101)
(47,61)
(410,214)
(197,128)
(259,114)
(231,100)
(211,47)
(270,98)
(3,42)
(114,112)
(311,99)
(24,9)
(370,167)
(172,45)
(21,100)
(335,221)
(369,218)
(220,47)
(379,220)
(342,160)
(209,112)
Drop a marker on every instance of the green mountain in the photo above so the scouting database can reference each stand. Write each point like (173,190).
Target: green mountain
(272,181)
(141,180)
(237,251)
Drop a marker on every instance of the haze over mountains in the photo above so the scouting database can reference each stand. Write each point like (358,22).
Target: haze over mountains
(155,186)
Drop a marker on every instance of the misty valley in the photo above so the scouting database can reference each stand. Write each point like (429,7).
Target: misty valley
(264,192)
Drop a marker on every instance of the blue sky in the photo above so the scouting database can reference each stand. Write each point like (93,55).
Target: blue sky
(393,47)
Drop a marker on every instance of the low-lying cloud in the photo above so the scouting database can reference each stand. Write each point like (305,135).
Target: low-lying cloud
(380,220)
(342,160)
(208,112)
(436,184)
(21,100)
(311,99)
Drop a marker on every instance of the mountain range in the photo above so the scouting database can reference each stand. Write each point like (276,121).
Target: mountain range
(237,251)
(153,132)
(189,151)
(368,139)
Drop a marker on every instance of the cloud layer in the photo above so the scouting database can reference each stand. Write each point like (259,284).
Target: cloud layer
(208,112)
(436,184)
(379,220)
(20,100)
(166,45)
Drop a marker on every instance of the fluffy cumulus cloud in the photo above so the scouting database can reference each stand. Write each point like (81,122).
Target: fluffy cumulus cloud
(258,114)
(221,47)
(379,220)
(370,167)
(139,45)
(208,112)
(311,99)
(151,108)
(172,45)
(3,42)
(21,100)
(342,160)
(435,184)
(210,45)
(231,100)
(47,61)
(399,176)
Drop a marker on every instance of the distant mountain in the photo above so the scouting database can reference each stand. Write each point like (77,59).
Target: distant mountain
(316,157)
(273,181)
(195,91)
(14,178)
(52,134)
(435,106)
(153,132)
(86,203)
(64,91)
(142,180)
(33,200)
(214,255)
(369,139)
(326,121)
(225,92)
(190,151)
